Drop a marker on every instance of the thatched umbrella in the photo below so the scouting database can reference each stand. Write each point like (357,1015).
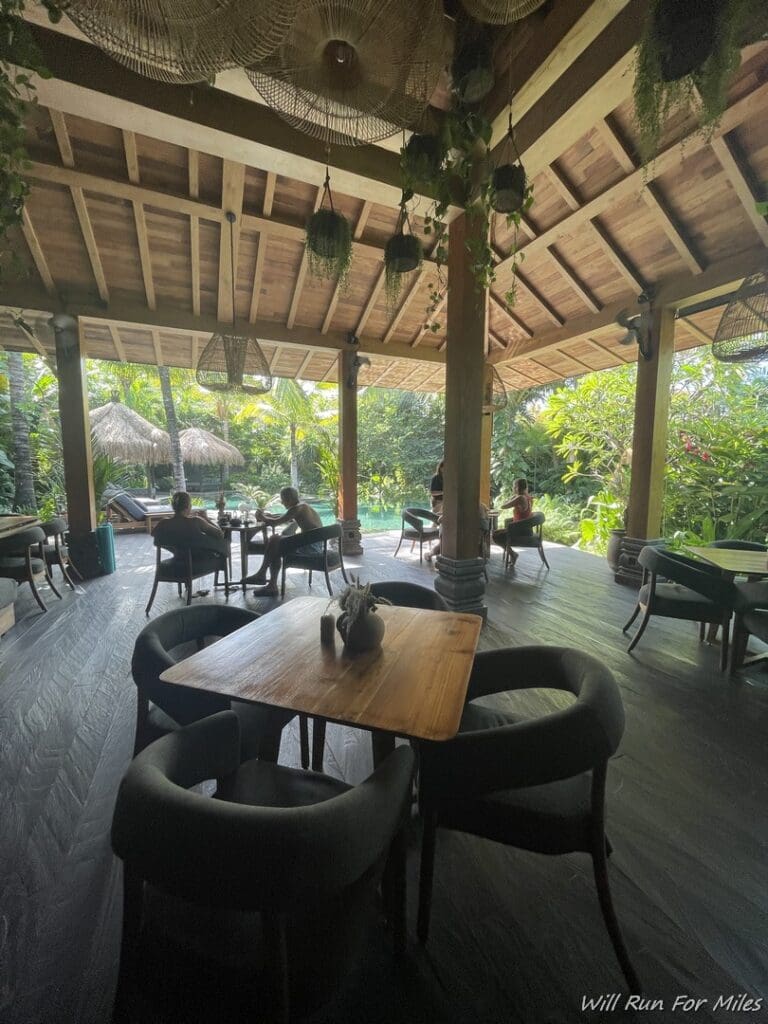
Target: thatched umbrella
(123,435)
(202,448)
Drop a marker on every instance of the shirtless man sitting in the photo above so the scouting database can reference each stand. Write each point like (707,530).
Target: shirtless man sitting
(305,518)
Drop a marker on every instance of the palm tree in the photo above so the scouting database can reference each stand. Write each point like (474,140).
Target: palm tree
(24,492)
(291,407)
(177,463)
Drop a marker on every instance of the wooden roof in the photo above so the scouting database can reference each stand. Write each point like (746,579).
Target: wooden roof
(126,227)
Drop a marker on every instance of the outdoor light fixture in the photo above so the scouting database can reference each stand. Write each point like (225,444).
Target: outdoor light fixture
(638,326)
(232,361)
(358,362)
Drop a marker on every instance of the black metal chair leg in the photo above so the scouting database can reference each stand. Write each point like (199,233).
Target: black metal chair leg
(640,630)
(36,594)
(328,583)
(318,744)
(600,866)
(635,613)
(304,740)
(152,595)
(542,555)
(398,544)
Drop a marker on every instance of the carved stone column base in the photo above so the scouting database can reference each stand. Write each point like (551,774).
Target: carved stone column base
(84,552)
(460,583)
(351,538)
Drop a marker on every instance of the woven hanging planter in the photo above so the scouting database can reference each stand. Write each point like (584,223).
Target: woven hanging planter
(500,12)
(496,394)
(329,240)
(355,71)
(742,334)
(182,41)
(230,361)
(403,254)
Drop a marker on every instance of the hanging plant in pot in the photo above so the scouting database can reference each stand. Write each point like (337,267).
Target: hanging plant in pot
(329,240)
(420,161)
(359,626)
(472,68)
(403,253)
(687,56)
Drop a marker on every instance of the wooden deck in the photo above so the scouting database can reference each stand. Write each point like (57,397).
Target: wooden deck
(515,937)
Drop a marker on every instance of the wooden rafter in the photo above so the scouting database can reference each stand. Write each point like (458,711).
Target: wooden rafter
(131,156)
(395,321)
(62,137)
(622,262)
(304,364)
(36,251)
(331,367)
(563,187)
(269,193)
(258,274)
(362,220)
(696,331)
(584,367)
(381,376)
(738,174)
(547,309)
(86,228)
(158,348)
(494,339)
(519,324)
(193,171)
(140,220)
(656,202)
(195,350)
(303,268)
(194,256)
(575,283)
(232,190)
(357,233)
(373,298)
(615,145)
(117,341)
(275,358)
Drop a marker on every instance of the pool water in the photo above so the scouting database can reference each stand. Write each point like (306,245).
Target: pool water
(373,518)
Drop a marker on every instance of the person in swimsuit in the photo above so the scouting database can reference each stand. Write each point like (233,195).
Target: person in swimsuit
(522,508)
(305,518)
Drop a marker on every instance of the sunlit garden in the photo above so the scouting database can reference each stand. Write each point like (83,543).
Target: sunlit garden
(572,442)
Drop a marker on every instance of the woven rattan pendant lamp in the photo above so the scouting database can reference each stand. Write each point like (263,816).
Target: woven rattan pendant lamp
(742,334)
(501,12)
(355,71)
(182,41)
(495,393)
(230,361)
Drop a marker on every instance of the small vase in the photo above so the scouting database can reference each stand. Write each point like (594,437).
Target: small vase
(364,634)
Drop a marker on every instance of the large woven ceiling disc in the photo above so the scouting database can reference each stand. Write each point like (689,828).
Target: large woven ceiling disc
(501,12)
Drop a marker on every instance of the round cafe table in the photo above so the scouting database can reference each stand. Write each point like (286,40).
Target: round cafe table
(245,531)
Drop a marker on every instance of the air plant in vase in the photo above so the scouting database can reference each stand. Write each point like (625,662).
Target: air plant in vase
(403,253)
(359,626)
(687,55)
(329,240)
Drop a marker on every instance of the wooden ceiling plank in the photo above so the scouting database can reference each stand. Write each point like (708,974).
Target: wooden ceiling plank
(383,374)
(563,187)
(194,256)
(275,358)
(577,285)
(144,254)
(574,359)
(357,233)
(615,145)
(617,258)
(333,365)
(131,156)
(269,193)
(373,298)
(36,251)
(656,202)
(520,325)
(232,191)
(158,348)
(305,363)
(62,137)
(89,238)
(193,172)
(195,351)
(395,321)
(549,311)
(258,274)
(750,105)
(696,331)
(303,268)
(738,175)
(117,341)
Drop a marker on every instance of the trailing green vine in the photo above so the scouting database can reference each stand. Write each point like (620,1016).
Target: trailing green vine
(19,60)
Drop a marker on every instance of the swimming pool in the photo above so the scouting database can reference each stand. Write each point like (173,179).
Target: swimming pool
(373,518)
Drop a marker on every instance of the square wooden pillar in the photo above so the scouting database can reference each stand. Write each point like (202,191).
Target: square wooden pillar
(76,444)
(486,441)
(649,440)
(460,567)
(350,524)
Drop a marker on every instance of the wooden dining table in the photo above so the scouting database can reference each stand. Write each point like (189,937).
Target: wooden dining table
(414,685)
(734,561)
(9,525)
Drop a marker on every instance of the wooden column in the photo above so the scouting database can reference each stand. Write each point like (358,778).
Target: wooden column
(76,444)
(486,441)
(649,443)
(460,567)
(350,524)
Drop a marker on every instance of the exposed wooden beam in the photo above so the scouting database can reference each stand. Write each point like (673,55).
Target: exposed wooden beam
(576,284)
(144,254)
(195,350)
(563,187)
(89,238)
(617,258)
(381,376)
(358,230)
(615,145)
(117,341)
(232,190)
(62,137)
(738,175)
(304,363)
(560,39)
(258,274)
(395,321)
(194,256)
(332,366)
(275,358)
(583,367)
(362,220)
(496,340)
(373,298)
(36,251)
(656,202)
(303,267)
(520,325)
(158,348)
(269,193)
(749,105)
(549,311)
(696,331)
(193,168)
(409,376)
(131,156)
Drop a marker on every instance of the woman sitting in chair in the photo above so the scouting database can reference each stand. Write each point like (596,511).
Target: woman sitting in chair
(298,513)
(522,508)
